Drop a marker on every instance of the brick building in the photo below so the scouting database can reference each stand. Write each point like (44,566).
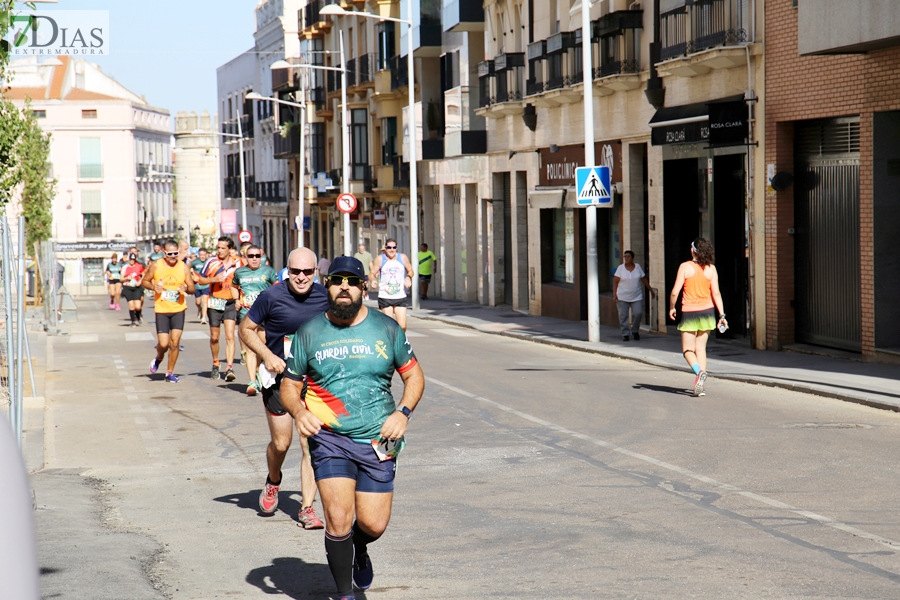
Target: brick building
(833,142)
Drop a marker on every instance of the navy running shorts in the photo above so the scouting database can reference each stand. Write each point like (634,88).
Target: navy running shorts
(334,455)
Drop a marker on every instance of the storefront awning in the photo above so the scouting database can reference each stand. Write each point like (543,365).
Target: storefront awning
(552,198)
(684,124)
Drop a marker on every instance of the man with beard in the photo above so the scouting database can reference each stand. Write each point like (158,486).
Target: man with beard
(169,278)
(268,330)
(348,357)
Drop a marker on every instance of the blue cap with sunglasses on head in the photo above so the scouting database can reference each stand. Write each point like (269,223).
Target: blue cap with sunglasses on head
(348,265)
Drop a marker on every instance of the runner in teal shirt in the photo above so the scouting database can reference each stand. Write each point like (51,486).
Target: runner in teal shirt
(251,281)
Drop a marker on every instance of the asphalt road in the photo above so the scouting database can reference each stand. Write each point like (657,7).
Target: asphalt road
(531,472)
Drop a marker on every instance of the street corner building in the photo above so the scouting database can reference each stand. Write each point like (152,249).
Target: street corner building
(111,155)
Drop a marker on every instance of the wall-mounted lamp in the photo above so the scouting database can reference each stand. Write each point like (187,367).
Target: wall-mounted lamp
(529,117)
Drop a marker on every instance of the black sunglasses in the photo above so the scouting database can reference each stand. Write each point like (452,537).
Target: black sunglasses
(172,253)
(352,280)
(390,247)
(254,256)
(307,272)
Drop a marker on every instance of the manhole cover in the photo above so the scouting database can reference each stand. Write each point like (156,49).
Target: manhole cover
(828,426)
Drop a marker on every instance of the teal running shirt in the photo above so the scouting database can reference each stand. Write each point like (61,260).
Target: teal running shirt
(252,284)
(349,371)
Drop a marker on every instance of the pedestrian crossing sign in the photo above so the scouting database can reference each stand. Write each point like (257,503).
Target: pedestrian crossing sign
(592,185)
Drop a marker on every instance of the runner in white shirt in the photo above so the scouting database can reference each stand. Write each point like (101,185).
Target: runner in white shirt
(627,295)
(391,273)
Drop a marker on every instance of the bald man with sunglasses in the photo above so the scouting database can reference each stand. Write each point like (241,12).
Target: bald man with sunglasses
(280,311)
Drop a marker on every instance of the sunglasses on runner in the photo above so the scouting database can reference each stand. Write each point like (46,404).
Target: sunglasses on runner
(352,280)
(307,272)
(172,253)
(254,256)
(390,247)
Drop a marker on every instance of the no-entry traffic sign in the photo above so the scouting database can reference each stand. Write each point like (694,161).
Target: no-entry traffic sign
(346,203)
(245,236)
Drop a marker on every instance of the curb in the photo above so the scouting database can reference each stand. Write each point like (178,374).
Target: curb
(646,361)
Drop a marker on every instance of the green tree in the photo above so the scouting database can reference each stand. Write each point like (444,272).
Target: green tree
(39,187)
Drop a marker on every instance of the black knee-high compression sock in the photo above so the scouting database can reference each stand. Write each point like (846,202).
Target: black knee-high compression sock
(133,315)
(339,549)
(361,539)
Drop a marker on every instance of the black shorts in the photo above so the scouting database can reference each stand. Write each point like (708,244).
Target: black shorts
(424,278)
(395,302)
(114,281)
(271,398)
(166,322)
(133,293)
(217,316)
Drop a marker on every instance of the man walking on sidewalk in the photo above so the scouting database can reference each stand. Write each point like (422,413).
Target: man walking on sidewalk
(219,273)
(427,262)
(169,278)
(393,276)
(356,428)
(251,281)
(277,314)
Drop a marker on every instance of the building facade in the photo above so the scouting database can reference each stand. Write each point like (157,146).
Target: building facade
(197,180)
(111,155)
(831,208)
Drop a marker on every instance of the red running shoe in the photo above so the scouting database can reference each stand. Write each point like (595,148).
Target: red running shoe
(268,498)
(308,519)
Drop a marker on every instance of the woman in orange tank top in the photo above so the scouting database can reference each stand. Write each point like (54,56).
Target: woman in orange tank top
(700,281)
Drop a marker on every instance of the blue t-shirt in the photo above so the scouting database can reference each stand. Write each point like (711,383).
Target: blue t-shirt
(281,313)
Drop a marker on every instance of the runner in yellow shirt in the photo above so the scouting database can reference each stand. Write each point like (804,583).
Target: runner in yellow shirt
(427,261)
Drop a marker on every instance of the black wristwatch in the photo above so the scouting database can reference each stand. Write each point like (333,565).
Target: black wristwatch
(406,412)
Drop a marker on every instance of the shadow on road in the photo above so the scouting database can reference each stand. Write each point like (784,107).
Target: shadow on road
(295,579)
(287,502)
(663,388)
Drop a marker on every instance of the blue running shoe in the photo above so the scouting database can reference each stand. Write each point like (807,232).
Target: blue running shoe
(170,378)
(362,571)
(154,365)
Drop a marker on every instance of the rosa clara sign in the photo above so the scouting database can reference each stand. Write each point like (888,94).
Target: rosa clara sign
(58,33)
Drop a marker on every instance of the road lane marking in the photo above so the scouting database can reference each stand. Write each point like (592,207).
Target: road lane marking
(130,388)
(140,336)
(132,397)
(147,435)
(457,332)
(195,335)
(84,338)
(123,374)
(140,420)
(675,468)
(415,334)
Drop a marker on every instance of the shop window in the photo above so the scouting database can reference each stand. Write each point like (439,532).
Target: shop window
(558,245)
(92,271)
(91,213)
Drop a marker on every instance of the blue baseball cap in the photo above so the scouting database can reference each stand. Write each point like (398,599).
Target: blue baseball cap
(347,264)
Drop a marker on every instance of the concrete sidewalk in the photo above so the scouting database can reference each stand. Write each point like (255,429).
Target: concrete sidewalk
(871,384)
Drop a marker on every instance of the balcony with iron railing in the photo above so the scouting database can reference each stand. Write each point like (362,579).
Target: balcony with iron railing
(502,85)
(615,41)
(287,147)
(399,72)
(309,16)
(271,191)
(535,83)
(401,173)
(688,27)
(230,127)
(233,186)
(333,81)
(365,69)
(486,84)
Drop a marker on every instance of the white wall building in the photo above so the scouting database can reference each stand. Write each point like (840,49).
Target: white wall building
(197,180)
(110,152)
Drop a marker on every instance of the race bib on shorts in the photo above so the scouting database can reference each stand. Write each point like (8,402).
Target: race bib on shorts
(216,303)
(386,449)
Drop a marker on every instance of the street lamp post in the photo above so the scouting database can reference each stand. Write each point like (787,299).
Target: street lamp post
(593,269)
(240,136)
(336,10)
(281,64)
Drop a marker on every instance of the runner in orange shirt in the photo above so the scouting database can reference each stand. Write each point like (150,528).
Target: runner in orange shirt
(219,272)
